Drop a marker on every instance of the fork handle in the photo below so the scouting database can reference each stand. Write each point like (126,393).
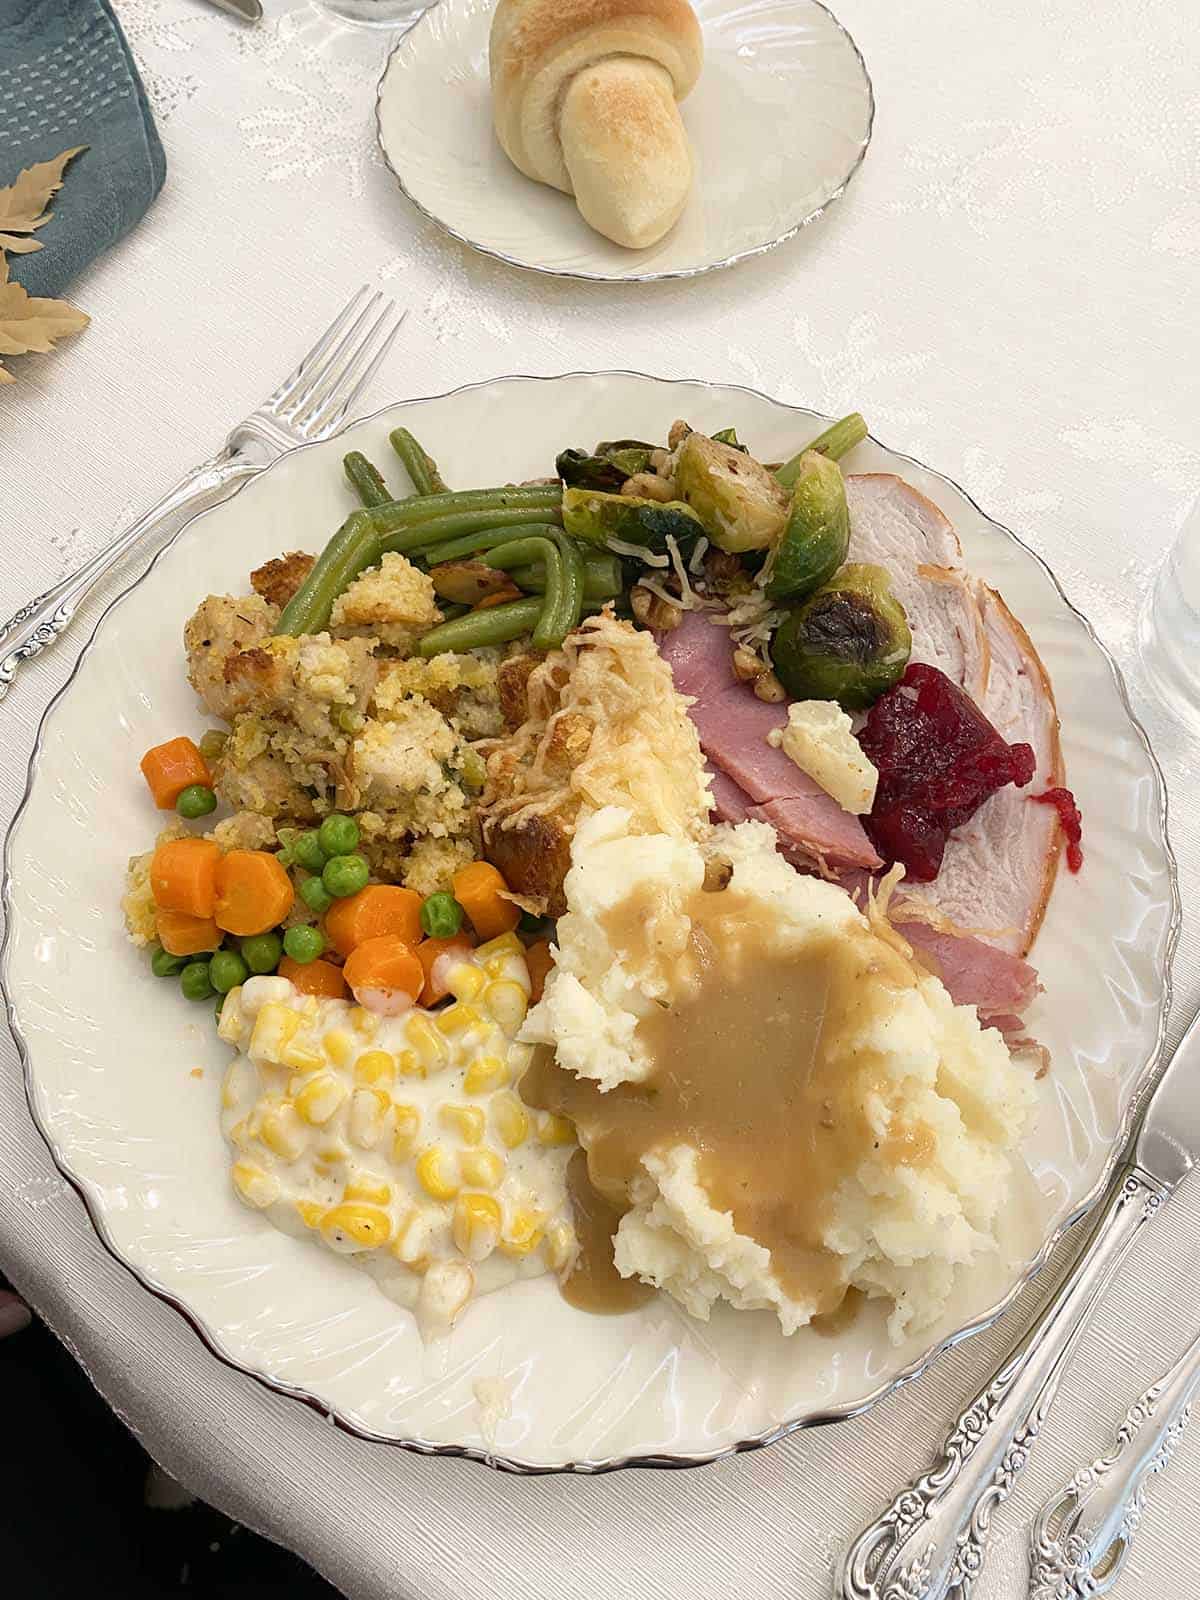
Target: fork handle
(38,625)
(930,1543)
(1100,1509)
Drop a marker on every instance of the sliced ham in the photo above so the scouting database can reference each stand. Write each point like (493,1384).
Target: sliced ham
(733,726)
(1000,985)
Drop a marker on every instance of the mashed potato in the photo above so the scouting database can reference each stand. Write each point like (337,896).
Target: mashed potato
(898,1223)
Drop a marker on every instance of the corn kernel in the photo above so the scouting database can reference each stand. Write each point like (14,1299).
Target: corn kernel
(523,1234)
(510,1119)
(485,1074)
(368,1109)
(366,1186)
(559,1246)
(466,1121)
(414,1237)
(375,1068)
(458,1018)
(239,1134)
(483,1168)
(229,1096)
(319,1098)
(282,1130)
(274,1027)
(256,1187)
(339,1046)
(505,944)
(553,1129)
(476,1225)
(498,967)
(407,1125)
(310,1213)
(507,1002)
(432,1050)
(229,1028)
(434,1170)
(351,1227)
(409,1064)
(333,1153)
(301,1058)
(466,981)
(364,1022)
(445,1291)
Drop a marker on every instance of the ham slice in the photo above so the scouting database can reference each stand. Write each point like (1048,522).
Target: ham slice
(733,726)
(999,984)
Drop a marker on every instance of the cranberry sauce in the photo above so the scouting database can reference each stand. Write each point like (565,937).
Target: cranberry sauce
(1063,802)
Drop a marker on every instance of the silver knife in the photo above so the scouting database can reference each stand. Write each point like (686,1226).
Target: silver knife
(930,1542)
(247,10)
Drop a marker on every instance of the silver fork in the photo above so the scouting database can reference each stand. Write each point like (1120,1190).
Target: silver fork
(310,404)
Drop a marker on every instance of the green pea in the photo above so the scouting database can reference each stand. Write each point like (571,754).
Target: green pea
(226,970)
(338,835)
(307,852)
(303,944)
(348,720)
(197,800)
(262,951)
(441,916)
(344,875)
(531,924)
(163,964)
(212,742)
(315,895)
(194,981)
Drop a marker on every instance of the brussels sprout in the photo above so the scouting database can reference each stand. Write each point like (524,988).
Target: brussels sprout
(739,502)
(599,517)
(608,466)
(849,642)
(817,534)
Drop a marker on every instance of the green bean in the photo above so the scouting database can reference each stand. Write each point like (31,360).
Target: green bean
(602,578)
(474,543)
(366,479)
(418,463)
(572,609)
(837,439)
(366,535)
(428,541)
(493,625)
(548,633)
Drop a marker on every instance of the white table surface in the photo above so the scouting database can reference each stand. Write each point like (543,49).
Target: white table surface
(1009,292)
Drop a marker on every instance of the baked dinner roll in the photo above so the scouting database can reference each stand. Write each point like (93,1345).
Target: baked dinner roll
(584,98)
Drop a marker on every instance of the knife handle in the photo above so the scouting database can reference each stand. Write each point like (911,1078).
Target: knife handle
(930,1542)
(1082,1536)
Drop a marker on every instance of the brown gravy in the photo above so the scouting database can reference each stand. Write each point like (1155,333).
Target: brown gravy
(755,1068)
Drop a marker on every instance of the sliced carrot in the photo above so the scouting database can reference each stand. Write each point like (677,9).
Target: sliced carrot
(181,935)
(183,876)
(380,969)
(477,889)
(429,951)
(314,977)
(171,768)
(378,909)
(540,963)
(254,892)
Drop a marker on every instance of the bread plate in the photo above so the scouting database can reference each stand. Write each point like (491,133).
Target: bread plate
(125,1090)
(779,123)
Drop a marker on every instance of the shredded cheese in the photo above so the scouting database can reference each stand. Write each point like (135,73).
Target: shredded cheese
(639,552)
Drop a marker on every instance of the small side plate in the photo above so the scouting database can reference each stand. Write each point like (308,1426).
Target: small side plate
(779,121)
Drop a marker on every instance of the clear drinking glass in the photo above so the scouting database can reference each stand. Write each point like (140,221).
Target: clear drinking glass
(376,13)
(1170,625)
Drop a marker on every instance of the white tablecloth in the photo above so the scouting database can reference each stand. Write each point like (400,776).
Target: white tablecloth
(1008,291)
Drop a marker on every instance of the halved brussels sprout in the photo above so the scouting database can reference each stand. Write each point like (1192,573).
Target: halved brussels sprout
(849,642)
(588,514)
(608,466)
(739,502)
(817,534)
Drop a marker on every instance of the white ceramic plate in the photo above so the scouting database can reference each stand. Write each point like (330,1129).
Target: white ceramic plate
(111,1055)
(779,122)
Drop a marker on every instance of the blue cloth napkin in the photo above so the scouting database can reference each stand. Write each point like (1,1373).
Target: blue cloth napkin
(67,78)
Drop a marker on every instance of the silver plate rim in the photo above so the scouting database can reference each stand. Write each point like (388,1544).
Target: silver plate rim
(1150,1071)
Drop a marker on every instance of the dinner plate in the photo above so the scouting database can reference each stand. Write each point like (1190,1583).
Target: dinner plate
(123,1077)
(779,122)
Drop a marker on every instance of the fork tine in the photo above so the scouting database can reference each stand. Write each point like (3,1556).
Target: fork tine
(333,409)
(328,371)
(287,390)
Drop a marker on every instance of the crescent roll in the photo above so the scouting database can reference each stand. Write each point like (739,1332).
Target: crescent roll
(584,96)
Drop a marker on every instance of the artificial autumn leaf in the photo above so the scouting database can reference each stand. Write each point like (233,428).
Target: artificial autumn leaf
(30,323)
(23,204)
